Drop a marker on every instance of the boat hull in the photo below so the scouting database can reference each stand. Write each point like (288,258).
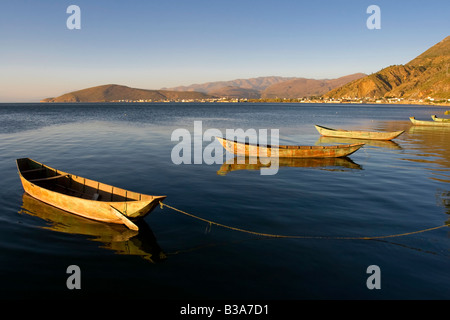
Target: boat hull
(429,123)
(120,212)
(367,135)
(251,150)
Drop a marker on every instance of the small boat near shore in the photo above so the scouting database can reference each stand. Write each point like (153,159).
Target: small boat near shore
(429,123)
(84,197)
(287,151)
(435,118)
(353,134)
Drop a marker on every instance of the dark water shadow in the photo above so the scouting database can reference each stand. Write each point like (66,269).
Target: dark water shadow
(113,237)
(371,143)
(254,163)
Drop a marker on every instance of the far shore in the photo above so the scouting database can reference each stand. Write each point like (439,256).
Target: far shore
(293,101)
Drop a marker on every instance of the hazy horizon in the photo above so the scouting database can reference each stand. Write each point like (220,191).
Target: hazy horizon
(154,45)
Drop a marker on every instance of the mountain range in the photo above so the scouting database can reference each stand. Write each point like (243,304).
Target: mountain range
(270,87)
(425,76)
(253,88)
(302,87)
(255,84)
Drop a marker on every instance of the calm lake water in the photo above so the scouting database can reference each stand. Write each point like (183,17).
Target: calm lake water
(385,188)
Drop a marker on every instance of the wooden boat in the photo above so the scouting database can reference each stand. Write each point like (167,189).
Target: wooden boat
(84,197)
(368,135)
(254,150)
(439,119)
(429,123)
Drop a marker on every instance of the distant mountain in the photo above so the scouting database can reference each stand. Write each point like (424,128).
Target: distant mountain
(233,92)
(269,87)
(425,76)
(302,87)
(114,92)
(257,84)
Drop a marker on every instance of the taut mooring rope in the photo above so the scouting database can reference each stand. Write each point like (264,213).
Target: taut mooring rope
(299,236)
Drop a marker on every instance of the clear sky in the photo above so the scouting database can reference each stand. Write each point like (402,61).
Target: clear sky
(165,43)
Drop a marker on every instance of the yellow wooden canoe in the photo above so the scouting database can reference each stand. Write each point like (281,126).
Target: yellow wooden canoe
(84,197)
(354,134)
(286,151)
(435,118)
(429,123)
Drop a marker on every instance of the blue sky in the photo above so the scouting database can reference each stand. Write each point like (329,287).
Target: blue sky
(156,44)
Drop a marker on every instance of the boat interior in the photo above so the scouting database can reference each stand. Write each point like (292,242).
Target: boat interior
(291,146)
(72,185)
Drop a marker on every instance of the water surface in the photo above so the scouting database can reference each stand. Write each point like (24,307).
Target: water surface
(385,188)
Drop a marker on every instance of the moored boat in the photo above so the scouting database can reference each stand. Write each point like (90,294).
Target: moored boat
(435,118)
(429,123)
(287,151)
(354,134)
(84,197)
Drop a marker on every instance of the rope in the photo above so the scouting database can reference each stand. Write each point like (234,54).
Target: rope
(297,236)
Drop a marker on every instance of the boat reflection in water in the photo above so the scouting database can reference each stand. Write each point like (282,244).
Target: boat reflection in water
(444,199)
(388,144)
(253,163)
(431,143)
(115,237)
